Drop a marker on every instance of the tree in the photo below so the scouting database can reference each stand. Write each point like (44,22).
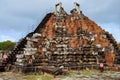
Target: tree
(7,45)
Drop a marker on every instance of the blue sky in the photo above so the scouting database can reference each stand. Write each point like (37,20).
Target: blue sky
(19,17)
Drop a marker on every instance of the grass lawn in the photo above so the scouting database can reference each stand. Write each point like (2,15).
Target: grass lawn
(37,77)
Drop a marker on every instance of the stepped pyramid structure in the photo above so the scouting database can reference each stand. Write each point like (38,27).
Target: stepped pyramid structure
(68,40)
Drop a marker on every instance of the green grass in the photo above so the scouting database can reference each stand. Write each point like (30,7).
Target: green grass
(37,77)
(87,72)
(90,72)
(46,78)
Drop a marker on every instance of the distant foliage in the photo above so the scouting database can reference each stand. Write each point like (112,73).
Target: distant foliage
(7,45)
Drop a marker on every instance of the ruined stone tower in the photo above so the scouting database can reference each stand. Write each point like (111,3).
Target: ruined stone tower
(68,40)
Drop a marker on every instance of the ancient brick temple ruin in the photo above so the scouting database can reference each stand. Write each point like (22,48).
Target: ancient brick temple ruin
(64,40)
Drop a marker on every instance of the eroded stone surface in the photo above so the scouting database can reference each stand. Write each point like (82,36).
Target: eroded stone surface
(95,76)
(10,76)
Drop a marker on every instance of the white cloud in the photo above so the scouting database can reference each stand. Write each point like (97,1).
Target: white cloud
(113,29)
(23,16)
(11,35)
(5,37)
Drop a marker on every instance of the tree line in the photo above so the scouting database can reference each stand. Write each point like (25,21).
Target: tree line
(7,45)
